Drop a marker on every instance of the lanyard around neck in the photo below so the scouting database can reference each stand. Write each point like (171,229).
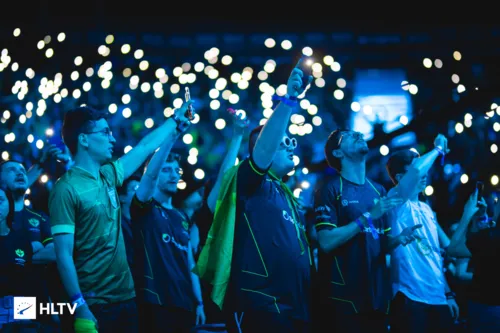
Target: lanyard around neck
(369,182)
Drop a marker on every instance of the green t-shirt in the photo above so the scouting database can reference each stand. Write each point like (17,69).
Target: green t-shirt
(89,208)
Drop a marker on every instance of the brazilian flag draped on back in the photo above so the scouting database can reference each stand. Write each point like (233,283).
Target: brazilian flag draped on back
(214,262)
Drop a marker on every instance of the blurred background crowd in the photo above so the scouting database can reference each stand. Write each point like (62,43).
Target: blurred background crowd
(398,86)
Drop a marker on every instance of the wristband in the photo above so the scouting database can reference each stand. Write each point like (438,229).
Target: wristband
(79,302)
(450,295)
(370,224)
(287,100)
(200,303)
(182,126)
(360,225)
(75,297)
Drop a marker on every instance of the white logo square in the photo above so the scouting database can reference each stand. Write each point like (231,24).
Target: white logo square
(24,307)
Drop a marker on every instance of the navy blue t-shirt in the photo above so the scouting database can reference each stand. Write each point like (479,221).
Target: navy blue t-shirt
(354,277)
(16,270)
(35,225)
(161,245)
(128,239)
(271,266)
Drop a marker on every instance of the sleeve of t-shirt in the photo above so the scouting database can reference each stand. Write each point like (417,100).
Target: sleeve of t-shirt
(113,172)
(139,209)
(325,212)
(250,177)
(45,231)
(62,207)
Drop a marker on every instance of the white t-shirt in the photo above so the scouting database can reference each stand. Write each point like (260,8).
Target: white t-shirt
(417,268)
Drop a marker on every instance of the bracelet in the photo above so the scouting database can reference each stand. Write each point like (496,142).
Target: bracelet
(360,225)
(372,228)
(79,302)
(287,100)
(75,297)
(200,303)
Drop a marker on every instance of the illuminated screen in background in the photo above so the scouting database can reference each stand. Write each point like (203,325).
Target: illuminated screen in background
(379,97)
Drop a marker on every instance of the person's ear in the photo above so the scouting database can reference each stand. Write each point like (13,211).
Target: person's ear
(83,140)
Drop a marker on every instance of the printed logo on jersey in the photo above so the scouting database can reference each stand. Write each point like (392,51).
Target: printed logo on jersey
(34,222)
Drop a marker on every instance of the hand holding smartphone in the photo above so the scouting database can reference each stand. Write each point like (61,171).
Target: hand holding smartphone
(56,141)
(190,110)
(480,190)
(304,65)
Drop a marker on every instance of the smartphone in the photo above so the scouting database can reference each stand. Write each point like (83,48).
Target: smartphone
(480,190)
(190,110)
(305,65)
(55,140)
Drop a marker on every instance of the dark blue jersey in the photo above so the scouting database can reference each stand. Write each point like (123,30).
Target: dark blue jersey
(161,245)
(128,239)
(271,266)
(35,225)
(354,277)
(16,271)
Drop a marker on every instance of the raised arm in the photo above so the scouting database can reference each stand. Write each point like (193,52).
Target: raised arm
(147,185)
(457,247)
(408,185)
(51,152)
(137,156)
(271,135)
(239,126)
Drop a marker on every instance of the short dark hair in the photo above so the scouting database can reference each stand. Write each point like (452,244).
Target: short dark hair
(252,139)
(78,121)
(10,199)
(332,143)
(398,162)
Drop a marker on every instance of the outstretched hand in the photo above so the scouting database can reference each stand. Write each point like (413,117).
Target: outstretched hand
(295,85)
(239,123)
(409,234)
(384,205)
(52,152)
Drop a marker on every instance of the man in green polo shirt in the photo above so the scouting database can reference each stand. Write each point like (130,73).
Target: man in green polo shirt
(85,219)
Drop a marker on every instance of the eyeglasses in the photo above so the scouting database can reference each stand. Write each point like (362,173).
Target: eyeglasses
(287,142)
(349,135)
(106,131)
